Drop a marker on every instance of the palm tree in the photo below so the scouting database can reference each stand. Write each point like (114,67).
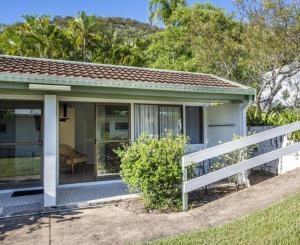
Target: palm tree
(82,28)
(40,37)
(161,10)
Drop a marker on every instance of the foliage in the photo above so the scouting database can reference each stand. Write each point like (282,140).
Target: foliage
(232,158)
(203,39)
(162,10)
(277,224)
(272,42)
(80,38)
(277,117)
(257,45)
(153,167)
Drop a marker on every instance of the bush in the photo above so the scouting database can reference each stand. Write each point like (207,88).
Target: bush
(153,167)
(277,117)
(232,158)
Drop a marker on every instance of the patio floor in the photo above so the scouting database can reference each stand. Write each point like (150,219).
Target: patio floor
(80,195)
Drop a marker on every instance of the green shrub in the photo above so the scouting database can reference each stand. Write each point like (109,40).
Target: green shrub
(153,167)
(277,117)
(232,158)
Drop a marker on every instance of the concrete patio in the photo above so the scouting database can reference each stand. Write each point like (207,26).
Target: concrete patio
(68,195)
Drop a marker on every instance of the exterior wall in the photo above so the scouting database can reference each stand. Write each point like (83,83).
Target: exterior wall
(280,166)
(223,121)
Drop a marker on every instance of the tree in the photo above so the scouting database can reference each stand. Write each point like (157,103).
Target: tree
(81,29)
(272,41)
(204,39)
(36,37)
(161,10)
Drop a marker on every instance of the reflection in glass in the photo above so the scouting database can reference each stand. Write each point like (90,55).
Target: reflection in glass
(170,120)
(112,131)
(20,144)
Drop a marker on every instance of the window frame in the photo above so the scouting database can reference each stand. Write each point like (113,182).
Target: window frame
(159,123)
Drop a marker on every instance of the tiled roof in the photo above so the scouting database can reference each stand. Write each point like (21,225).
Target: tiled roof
(57,68)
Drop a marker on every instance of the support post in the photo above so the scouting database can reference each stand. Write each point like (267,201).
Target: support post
(185,202)
(50,150)
(243,177)
(132,122)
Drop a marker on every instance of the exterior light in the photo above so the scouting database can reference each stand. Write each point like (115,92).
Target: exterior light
(49,87)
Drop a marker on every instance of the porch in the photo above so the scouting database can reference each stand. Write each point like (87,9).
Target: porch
(61,121)
(63,141)
(74,195)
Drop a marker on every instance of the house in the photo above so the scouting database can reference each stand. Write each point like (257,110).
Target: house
(60,121)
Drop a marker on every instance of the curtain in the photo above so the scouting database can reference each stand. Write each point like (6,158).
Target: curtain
(170,119)
(146,120)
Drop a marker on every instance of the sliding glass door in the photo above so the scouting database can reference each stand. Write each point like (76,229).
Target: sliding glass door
(20,144)
(112,132)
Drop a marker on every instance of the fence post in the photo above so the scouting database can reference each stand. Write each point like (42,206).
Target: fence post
(184,195)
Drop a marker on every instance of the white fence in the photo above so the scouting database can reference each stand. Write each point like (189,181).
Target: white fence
(210,178)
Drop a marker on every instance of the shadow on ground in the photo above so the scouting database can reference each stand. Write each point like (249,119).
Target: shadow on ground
(35,222)
(204,196)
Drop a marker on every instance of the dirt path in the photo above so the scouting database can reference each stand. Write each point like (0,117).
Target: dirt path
(114,225)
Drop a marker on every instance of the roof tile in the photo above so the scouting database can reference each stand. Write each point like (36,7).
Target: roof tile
(20,65)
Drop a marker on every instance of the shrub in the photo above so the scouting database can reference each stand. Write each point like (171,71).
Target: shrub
(153,167)
(277,117)
(232,158)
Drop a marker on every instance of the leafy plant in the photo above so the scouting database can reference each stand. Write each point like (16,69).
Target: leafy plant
(277,117)
(232,158)
(152,166)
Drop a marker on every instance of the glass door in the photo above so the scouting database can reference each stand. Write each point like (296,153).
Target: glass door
(20,144)
(112,131)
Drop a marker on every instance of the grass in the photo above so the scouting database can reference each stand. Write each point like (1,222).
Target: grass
(20,166)
(278,224)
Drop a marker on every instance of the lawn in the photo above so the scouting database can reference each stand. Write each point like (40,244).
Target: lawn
(278,224)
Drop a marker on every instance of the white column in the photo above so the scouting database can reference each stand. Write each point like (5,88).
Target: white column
(50,150)
(244,107)
(184,120)
(205,126)
(243,177)
(132,122)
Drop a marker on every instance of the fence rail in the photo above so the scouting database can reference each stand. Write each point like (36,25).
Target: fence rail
(221,149)
(210,178)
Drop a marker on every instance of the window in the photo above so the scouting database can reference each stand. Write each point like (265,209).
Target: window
(157,119)
(194,124)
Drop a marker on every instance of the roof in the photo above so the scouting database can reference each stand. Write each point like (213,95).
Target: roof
(90,71)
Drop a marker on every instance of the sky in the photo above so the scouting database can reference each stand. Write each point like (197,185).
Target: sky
(11,11)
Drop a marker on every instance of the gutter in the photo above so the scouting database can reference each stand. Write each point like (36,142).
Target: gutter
(72,81)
